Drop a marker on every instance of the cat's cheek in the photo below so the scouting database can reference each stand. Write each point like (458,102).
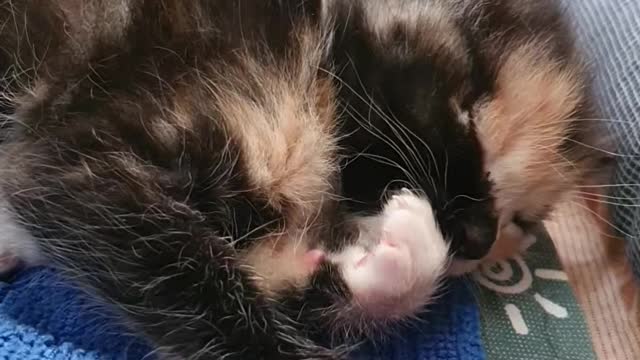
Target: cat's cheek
(396,275)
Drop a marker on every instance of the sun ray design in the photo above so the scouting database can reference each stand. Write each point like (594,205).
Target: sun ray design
(517,321)
(550,307)
(549,274)
(515,278)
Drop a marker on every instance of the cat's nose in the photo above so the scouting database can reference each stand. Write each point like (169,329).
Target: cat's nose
(476,242)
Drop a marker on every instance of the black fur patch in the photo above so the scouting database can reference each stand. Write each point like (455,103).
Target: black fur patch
(404,132)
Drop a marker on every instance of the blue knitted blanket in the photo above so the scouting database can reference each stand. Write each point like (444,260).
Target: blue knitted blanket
(43,318)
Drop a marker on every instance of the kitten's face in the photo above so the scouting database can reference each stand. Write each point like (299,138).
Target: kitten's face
(411,109)
(484,128)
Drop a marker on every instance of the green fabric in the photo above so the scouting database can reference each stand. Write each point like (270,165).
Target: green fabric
(522,286)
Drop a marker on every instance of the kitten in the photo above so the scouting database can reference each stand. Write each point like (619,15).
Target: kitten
(216,168)
(181,159)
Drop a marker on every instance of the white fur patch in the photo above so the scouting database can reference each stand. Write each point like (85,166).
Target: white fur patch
(396,272)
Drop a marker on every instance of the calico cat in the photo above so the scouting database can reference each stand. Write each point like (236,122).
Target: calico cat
(225,171)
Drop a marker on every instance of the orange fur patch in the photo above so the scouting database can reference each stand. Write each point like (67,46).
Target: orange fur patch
(289,156)
(522,127)
(286,135)
(283,118)
(419,20)
(508,244)
(278,263)
(288,153)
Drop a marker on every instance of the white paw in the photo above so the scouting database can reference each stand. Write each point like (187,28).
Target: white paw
(396,273)
(406,200)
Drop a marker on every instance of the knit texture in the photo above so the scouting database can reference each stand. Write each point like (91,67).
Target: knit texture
(597,282)
(609,32)
(44,318)
(449,330)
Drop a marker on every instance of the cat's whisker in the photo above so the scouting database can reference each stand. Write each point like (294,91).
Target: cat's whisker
(387,161)
(560,139)
(398,128)
(392,144)
(599,120)
(251,232)
(558,153)
(597,195)
(604,220)
(383,137)
(608,186)
(419,139)
(607,202)
(378,133)
(462,196)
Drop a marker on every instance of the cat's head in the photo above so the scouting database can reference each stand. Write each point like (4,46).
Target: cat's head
(489,121)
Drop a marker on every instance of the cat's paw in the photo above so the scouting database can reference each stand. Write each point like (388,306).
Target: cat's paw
(397,273)
(512,240)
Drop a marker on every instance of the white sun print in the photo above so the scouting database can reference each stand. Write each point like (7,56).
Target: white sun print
(488,276)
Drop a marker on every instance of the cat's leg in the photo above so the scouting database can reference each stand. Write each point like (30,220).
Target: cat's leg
(398,264)
(512,240)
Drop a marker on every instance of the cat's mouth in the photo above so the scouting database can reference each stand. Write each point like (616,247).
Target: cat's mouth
(512,239)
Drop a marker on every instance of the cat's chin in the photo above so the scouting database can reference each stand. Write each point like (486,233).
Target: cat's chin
(395,274)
